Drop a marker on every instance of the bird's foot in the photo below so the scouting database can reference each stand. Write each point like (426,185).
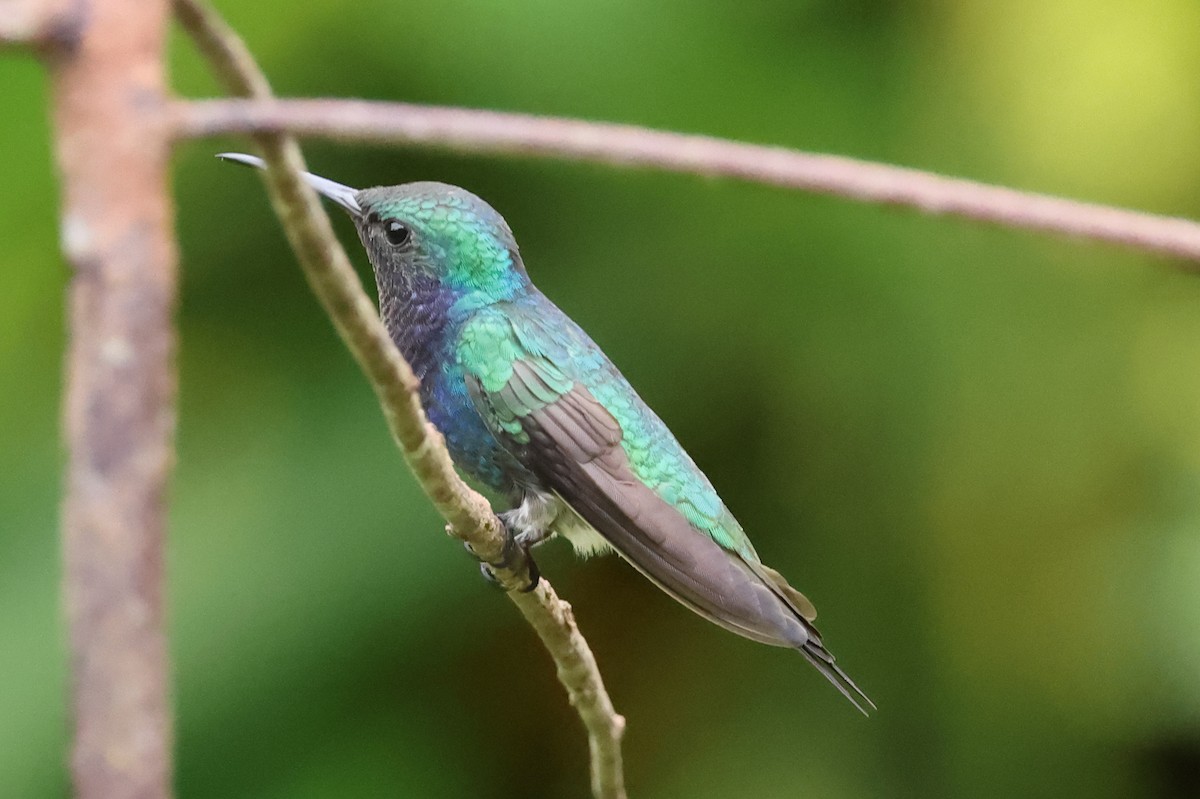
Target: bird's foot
(515,546)
(535,576)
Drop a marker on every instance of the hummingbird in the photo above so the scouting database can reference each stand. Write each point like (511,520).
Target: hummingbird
(532,408)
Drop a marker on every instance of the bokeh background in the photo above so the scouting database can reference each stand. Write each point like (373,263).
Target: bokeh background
(977,450)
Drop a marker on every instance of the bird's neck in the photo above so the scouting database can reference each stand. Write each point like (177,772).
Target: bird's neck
(423,316)
(418,313)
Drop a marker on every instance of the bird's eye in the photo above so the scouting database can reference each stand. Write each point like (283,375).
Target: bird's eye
(397,234)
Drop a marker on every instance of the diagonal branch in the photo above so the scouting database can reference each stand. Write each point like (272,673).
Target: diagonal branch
(470,518)
(471,130)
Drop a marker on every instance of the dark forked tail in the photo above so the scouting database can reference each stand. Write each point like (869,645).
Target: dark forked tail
(816,653)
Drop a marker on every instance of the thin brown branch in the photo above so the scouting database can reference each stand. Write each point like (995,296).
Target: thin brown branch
(109,97)
(470,518)
(470,130)
(579,673)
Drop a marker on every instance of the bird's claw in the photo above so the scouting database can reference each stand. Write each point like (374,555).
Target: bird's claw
(535,575)
(508,558)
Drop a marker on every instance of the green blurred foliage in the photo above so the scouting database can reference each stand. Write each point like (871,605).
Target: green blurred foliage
(977,450)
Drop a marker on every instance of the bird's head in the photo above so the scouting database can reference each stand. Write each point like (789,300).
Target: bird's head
(423,233)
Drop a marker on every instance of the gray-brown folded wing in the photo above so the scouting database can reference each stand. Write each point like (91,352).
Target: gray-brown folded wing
(572,443)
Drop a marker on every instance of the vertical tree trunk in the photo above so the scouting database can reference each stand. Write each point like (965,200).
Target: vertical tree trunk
(113,144)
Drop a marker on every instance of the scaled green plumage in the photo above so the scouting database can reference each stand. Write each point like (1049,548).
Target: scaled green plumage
(493,340)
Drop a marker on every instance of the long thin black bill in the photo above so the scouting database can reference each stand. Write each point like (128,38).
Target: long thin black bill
(339,193)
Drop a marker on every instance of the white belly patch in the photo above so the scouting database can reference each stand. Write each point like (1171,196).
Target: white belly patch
(547,514)
(583,536)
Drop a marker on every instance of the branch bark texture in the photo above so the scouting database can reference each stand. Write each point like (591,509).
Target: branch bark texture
(469,516)
(113,145)
(470,130)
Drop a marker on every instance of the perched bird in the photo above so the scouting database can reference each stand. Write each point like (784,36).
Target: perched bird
(530,406)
